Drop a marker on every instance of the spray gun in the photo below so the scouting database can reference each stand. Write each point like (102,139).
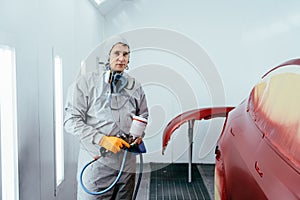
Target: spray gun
(136,131)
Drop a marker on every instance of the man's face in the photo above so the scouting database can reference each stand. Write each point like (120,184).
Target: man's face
(119,57)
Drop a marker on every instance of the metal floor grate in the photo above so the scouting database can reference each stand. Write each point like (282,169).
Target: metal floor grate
(169,181)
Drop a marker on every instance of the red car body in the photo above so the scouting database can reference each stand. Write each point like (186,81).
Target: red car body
(258,151)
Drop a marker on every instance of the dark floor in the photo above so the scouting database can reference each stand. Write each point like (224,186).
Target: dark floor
(165,181)
(207,172)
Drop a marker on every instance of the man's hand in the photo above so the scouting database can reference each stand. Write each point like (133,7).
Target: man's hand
(113,144)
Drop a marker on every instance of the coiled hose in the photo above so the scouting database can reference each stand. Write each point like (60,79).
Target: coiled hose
(116,180)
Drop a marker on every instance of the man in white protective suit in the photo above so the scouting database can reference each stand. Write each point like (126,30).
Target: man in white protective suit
(99,109)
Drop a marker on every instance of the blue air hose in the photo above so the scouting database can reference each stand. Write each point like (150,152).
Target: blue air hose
(139,178)
(116,180)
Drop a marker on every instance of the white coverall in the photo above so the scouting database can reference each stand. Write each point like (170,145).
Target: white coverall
(92,111)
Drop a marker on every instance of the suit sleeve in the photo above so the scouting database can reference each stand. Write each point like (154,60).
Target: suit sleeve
(75,110)
(142,106)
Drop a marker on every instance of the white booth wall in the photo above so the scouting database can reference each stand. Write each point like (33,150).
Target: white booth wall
(242,39)
(39,30)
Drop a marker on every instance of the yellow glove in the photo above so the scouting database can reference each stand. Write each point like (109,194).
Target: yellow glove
(113,144)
